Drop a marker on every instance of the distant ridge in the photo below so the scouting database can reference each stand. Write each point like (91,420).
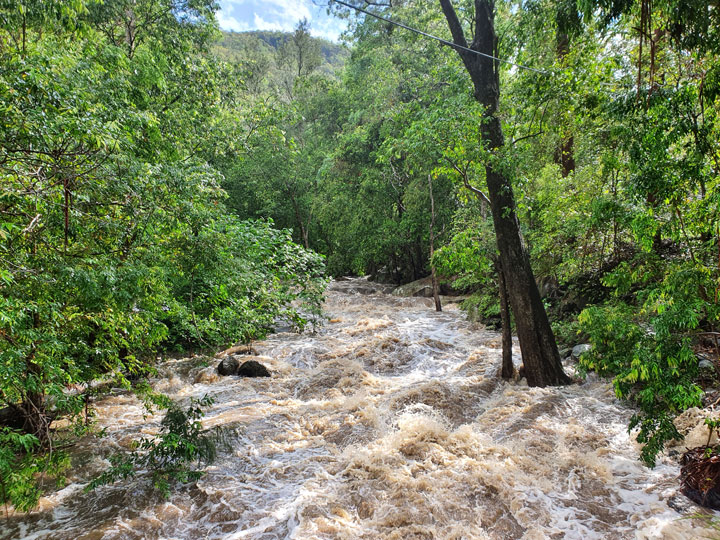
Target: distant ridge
(238,45)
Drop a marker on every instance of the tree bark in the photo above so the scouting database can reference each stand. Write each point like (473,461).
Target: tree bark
(508,369)
(537,342)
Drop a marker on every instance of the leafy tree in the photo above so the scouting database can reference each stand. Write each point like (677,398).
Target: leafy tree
(540,354)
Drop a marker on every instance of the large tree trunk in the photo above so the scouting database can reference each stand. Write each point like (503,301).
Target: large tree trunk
(537,342)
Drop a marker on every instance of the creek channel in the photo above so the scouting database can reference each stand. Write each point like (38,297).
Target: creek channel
(389,423)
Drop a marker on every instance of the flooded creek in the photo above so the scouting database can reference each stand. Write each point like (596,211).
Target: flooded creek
(389,423)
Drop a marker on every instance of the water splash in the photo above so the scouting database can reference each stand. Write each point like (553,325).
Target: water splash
(390,423)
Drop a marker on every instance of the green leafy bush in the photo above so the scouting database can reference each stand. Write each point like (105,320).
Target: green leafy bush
(21,469)
(173,455)
(647,350)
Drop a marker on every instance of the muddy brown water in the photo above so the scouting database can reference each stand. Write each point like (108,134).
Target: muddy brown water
(389,423)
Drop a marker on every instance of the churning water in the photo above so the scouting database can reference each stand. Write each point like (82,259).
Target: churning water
(390,423)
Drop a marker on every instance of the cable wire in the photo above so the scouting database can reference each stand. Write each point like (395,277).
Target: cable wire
(436,38)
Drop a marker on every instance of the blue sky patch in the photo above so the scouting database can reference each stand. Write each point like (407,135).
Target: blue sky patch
(244,15)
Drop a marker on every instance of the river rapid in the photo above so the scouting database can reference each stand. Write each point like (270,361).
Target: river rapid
(389,423)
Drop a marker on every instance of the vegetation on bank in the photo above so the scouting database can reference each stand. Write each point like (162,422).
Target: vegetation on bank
(158,180)
(115,236)
(612,149)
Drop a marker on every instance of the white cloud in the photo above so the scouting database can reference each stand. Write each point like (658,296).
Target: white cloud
(262,24)
(241,15)
(227,22)
(330,28)
(290,11)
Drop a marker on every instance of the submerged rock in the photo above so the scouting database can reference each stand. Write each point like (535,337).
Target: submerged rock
(228,366)
(237,349)
(253,368)
(205,375)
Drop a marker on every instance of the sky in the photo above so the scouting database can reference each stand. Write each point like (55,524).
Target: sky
(244,15)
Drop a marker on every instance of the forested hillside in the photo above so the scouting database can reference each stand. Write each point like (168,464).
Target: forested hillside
(169,187)
(257,45)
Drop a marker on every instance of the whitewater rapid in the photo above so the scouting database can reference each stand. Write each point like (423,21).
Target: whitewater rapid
(389,423)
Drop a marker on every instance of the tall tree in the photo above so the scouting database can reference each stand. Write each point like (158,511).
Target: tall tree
(298,57)
(537,342)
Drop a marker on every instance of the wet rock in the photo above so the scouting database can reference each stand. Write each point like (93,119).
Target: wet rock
(577,350)
(12,417)
(253,368)
(705,365)
(228,366)
(709,499)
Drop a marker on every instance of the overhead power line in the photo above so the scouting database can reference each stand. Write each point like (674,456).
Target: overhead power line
(436,38)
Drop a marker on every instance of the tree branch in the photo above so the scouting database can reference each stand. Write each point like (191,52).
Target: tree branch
(454,23)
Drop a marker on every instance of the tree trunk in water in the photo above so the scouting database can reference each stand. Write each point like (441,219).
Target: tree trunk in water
(537,342)
(508,368)
(435,288)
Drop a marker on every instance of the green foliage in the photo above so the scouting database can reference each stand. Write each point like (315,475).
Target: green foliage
(21,469)
(170,457)
(114,235)
(646,349)
(566,332)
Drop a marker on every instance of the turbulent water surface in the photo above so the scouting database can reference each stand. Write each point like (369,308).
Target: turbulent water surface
(389,423)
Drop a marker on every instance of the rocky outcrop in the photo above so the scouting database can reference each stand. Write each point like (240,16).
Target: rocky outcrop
(420,288)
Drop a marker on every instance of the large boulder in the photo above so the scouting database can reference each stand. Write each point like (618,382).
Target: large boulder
(420,288)
(253,368)
(12,417)
(228,366)
(706,366)
(578,350)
